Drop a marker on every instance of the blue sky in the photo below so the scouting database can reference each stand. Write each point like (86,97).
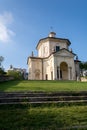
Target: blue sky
(24,22)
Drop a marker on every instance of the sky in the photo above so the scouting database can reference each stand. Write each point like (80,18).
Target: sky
(24,22)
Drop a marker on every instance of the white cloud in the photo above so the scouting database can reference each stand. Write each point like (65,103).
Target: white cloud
(6,33)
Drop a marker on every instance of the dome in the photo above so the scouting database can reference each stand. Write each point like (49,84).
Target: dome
(52,34)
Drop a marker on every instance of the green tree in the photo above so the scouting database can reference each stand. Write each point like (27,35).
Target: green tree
(1,60)
(15,74)
(83,65)
(2,72)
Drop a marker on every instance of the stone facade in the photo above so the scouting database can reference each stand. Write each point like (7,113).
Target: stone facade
(54,61)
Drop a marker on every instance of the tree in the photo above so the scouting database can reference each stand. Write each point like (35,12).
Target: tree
(2,72)
(1,60)
(15,74)
(83,65)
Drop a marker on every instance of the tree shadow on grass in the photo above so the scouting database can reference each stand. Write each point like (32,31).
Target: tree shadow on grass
(26,118)
(7,86)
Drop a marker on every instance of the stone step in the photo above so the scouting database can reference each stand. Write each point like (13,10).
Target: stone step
(41,94)
(42,99)
(47,97)
(37,97)
(45,102)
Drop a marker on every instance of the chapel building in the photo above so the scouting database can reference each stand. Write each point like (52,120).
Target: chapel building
(55,61)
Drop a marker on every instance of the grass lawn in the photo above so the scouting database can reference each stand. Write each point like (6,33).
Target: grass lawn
(42,118)
(47,86)
(27,117)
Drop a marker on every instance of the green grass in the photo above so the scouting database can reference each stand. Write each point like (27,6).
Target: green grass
(51,117)
(47,86)
(42,118)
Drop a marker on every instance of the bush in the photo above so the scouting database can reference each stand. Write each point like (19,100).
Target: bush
(15,74)
(2,72)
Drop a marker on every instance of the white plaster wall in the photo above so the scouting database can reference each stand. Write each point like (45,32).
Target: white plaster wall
(43,51)
(54,44)
(29,69)
(36,64)
(47,48)
(48,66)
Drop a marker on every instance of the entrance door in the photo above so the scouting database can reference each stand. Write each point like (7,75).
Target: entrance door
(64,71)
(46,76)
(37,76)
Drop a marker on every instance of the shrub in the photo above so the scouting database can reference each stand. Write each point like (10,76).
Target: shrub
(15,74)
(2,72)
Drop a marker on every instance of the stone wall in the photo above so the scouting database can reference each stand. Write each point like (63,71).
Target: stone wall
(5,78)
(83,79)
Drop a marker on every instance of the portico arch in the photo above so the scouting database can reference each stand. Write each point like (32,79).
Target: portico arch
(63,71)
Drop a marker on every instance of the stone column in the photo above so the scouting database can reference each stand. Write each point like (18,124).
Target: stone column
(59,72)
(55,78)
(69,73)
